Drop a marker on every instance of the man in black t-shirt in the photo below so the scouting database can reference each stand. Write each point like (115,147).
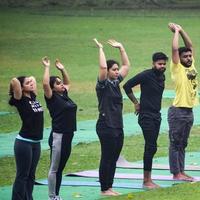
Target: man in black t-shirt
(151,83)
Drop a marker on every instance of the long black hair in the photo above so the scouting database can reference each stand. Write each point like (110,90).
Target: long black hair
(52,80)
(11,93)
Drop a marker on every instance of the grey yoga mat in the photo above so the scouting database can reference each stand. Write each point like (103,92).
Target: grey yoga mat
(123,163)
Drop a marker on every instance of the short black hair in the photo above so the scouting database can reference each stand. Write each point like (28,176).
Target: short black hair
(159,56)
(110,63)
(183,49)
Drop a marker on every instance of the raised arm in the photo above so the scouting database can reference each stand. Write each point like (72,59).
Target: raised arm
(64,73)
(124,58)
(175,42)
(16,88)
(186,39)
(102,61)
(46,85)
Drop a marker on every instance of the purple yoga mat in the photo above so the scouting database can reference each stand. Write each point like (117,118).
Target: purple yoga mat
(123,163)
(95,174)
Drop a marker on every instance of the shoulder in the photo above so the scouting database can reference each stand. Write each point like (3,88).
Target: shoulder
(175,66)
(101,84)
(120,78)
(65,93)
(145,73)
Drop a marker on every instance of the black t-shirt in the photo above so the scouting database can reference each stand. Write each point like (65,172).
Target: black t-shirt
(152,85)
(31,113)
(63,113)
(110,102)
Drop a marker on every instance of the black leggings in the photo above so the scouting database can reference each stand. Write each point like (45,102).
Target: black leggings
(111,145)
(150,125)
(27,155)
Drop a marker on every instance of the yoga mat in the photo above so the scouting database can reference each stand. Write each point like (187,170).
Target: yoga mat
(40,192)
(95,174)
(92,184)
(123,163)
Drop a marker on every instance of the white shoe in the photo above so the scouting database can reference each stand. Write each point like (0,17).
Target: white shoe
(55,198)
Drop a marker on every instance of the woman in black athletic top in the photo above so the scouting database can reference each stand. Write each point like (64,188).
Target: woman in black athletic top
(27,143)
(109,125)
(63,113)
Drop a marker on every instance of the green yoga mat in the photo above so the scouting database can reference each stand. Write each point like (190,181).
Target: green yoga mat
(86,131)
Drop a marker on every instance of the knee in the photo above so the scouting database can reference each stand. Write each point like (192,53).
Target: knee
(150,150)
(175,144)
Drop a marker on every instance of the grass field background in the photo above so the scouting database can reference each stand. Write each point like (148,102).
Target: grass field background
(26,35)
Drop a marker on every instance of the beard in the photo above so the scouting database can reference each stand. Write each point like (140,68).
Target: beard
(159,72)
(187,64)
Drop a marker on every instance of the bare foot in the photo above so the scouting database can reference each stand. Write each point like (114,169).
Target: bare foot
(108,193)
(183,177)
(117,193)
(150,185)
(189,178)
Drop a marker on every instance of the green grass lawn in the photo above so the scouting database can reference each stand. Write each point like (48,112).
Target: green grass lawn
(28,35)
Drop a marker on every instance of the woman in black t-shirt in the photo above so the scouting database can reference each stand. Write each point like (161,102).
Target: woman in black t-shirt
(27,143)
(109,125)
(63,113)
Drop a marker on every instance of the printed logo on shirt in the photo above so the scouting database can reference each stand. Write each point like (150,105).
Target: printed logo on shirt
(36,107)
(191,74)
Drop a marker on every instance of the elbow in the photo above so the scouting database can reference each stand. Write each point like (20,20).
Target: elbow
(13,80)
(125,87)
(45,84)
(175,49)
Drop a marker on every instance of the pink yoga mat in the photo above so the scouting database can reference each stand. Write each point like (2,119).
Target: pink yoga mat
(95,174)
